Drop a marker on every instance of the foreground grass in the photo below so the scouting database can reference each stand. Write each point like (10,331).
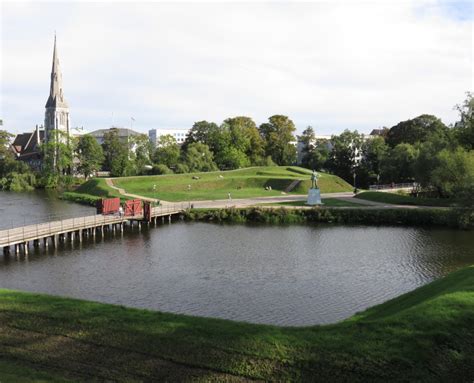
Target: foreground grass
(399,199)
(425,335)
(242,183)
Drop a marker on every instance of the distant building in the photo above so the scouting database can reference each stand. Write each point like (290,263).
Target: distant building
(124,134)
(379,132)
(179,135)
(26,146)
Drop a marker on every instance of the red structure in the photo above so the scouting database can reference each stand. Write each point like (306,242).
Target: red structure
(147,211)
(133,207)
(108,206)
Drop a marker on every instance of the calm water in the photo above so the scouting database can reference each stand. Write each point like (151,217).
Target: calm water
(293,275)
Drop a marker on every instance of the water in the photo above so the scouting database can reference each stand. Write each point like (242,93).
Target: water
(284,275)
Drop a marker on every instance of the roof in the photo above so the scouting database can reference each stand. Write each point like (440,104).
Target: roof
(122,132)
(27,143)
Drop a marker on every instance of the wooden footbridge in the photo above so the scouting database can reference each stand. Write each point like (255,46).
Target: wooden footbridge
(75,229)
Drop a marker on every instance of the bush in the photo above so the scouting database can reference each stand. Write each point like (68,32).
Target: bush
(458,218)
(161,169)
(182,168)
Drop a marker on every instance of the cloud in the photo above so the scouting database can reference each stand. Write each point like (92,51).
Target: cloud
(354,65)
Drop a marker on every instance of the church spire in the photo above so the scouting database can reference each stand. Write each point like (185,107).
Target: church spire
(56,97)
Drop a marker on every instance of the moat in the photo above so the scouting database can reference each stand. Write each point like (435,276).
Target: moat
(286,275)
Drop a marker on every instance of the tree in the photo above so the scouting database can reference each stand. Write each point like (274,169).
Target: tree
(373,151)
(419,129)
(200,132)
(233,158)
(454,175)
(58,154)
(308,141)
(279,139)
(245,137)
(167,151)
(140,150)
(89,154)
(464,128)
(116,154)
(5,151)
(398,163)
(344,153)
(199,158)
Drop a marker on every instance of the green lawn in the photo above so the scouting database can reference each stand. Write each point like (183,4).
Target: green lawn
(423,336)
(327,202)
(399,199)
(242,183)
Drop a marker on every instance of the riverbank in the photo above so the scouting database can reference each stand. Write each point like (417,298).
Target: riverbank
(455,218)
(425,335)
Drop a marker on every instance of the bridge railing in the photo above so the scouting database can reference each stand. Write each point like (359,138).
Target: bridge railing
(60,224)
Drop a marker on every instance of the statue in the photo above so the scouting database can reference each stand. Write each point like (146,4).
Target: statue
(314,180)
(314,194)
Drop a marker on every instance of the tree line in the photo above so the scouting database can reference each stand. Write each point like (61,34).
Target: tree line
(440,159)
(423,150)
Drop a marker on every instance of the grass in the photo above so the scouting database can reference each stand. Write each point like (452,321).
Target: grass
(91,191)
(399,199)
(426,335)
(327,202)
(242,183)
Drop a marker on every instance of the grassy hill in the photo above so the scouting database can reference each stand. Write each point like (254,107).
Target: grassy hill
(241,183)
(426,335)
(89,192)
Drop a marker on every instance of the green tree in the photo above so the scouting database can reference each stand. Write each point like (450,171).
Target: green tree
(279,139)
(116,154)
(454,175)
(344,153)
(201,132)
(57,155)
(398,163)
(89,154)
(419,129)
(233,158)
(373,151)
(199,158)
(308,142)
(464,128)
(167,151)
(140,150)
(245,137)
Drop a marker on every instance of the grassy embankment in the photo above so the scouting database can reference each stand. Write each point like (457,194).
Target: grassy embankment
(91,191)
(425,335)
(241,183)
(400,199)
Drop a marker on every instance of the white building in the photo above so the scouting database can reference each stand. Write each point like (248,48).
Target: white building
(179,135)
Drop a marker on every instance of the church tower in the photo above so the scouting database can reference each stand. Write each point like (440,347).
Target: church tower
(57,110)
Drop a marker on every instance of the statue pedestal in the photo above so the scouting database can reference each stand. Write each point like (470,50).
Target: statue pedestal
(314,197)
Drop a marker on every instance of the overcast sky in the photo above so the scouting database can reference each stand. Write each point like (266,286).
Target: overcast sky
(332,65)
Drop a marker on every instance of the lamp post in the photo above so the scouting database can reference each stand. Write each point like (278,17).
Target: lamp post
(154,192)
(378,181)
(355,186)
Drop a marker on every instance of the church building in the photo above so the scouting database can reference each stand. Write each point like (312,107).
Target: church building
(26,146)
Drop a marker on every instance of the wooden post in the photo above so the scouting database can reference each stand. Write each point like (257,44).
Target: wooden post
(25,248)
(169,218)
(80,235)
(45,242)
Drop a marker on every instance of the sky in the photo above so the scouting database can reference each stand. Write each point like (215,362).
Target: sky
(333,65)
